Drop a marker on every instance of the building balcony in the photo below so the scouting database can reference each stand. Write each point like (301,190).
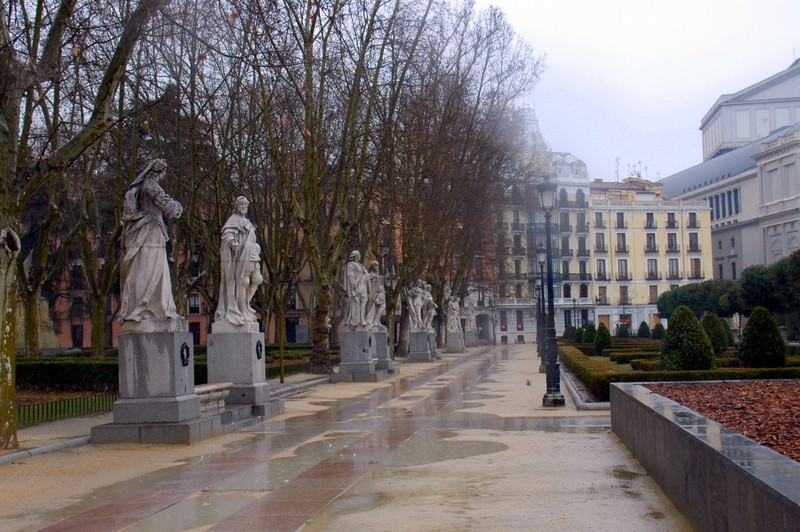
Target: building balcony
(674,276)
(583,252)
(621,249)
(653,276)
(599,224)
(693,225)
(598,248)
(672,224)
(621,225)
(624,300)
(623,277)
(602,301)
(696,275)
(695,248)
(602,276)
(565,228)
(566,252)
(576,277)
(515,302)
(651,249)
(582,228)
(650,225)
(521,251)
(673,249)
(517,227)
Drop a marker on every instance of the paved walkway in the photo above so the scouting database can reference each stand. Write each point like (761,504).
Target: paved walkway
(461,444)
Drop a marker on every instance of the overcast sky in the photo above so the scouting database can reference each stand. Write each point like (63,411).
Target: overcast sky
(631,79)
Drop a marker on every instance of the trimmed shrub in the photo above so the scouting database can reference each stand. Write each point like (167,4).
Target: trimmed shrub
(715,330)
(658,332)
(686,346)
(602,340)
(589,333)
(623,331)
(644,330)
(578,339)
(762,345)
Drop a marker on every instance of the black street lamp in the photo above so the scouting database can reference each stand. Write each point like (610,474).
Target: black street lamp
(575,312)
(541,257)
(553,397)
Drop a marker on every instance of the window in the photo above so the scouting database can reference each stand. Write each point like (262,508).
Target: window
(694,243)
(696,273)
(598,220)
(602,295)
(736,201)
(653,294)
(623,295)
(567,290)
(584,290)
(721,273)
(733,270)
(652,268)
(651,243)
(601,268)
(194,303)
(481,300)
(672,242)
(622,269)
(600,242)
(518,291)
(565,269)
(503,320)
(693,219)
(621,243)
(671,222)
(520,321)
(650,220)
(733,242)
(621,220)
(719,244)
(673,269)
(729,198)
(582,269)
(711,206)
(77,335)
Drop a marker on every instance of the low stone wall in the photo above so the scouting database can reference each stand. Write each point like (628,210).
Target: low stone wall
(719,479)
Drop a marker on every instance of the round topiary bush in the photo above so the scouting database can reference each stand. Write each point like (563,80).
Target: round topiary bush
(623,331)
(644,330)
(658,332)
(578,338)
(762,345)
(715,330)
(686,346)
(589,333)
(602,340)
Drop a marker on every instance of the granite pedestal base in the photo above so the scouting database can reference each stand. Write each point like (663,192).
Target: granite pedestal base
(455,342)
(238,357)
(157,402)
(419,347)
(470,338)
(384,361)
(358,357)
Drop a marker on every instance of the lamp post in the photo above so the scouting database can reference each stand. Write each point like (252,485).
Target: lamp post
(574,313)
(553,397)
(541,256)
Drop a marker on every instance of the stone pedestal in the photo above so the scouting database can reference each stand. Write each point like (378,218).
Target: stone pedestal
(157,402)
(432,345)
(384,361)
(470,338)
(359,357)
(238,357)
(419,346)
(455,342)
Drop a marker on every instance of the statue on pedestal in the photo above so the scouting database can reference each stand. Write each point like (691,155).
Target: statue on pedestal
(469,315)
(415,297)
(356,285)
(240,257)
(144,272)
(377,298)
(453,315)
(428,307)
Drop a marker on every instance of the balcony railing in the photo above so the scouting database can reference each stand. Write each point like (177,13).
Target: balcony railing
(696,275)
(566,228)
(599,224)
(673,249)
(650,224)
(565,252)
(621,249)
(651,248)
(694,247)
(624,300)
(602,276)
(582,228)
(653,300)
(517,227)
(576,277)
(693,225)
(623,277)
(672,224)
(600,248)
(602,300)
(653,276)
(674,276)
(621,225)
(583,252)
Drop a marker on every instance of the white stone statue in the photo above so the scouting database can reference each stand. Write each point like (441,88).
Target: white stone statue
(356,284)
(376,302)
(469,315)
(453,315)
(415,297)
(429,311)
(240,276)
(144,272)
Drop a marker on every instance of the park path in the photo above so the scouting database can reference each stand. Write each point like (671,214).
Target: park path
(460,445)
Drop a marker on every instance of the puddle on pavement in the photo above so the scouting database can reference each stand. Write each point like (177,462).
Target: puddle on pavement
(202,510)
(362,502)
(431,446)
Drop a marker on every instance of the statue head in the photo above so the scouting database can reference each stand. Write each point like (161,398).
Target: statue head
(374,266)
(242,204)
(355,255)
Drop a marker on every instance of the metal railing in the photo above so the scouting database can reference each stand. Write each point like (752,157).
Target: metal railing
(651,248)
(64,408)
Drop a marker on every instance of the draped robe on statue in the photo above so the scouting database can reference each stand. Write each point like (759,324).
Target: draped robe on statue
(146,285)
(238,264)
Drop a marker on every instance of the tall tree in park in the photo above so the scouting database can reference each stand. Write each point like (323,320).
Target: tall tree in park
(32,46)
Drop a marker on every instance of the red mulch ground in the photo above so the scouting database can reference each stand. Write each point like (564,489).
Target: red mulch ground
(765,411)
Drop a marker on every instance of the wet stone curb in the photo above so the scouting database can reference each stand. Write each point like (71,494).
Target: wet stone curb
(718,478)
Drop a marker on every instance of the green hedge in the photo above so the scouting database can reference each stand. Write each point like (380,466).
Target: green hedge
(626,358)
(597,375)
(646,364)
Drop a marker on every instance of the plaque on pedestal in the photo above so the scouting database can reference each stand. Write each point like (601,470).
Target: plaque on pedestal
(455,342)
(419,346)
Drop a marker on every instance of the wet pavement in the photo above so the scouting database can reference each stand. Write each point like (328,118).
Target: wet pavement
(464,444)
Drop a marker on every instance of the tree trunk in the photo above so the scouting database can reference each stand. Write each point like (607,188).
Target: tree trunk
(30,306)
(320,362)
(98,313)
(9,250)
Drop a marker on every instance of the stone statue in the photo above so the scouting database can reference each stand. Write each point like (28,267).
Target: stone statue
(144,272)
(240,257)
(428,307)
(415,297)
(469,315)
(356,284)
(376,302)
(453,315)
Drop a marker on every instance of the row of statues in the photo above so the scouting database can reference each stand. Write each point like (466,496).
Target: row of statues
(147,290)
